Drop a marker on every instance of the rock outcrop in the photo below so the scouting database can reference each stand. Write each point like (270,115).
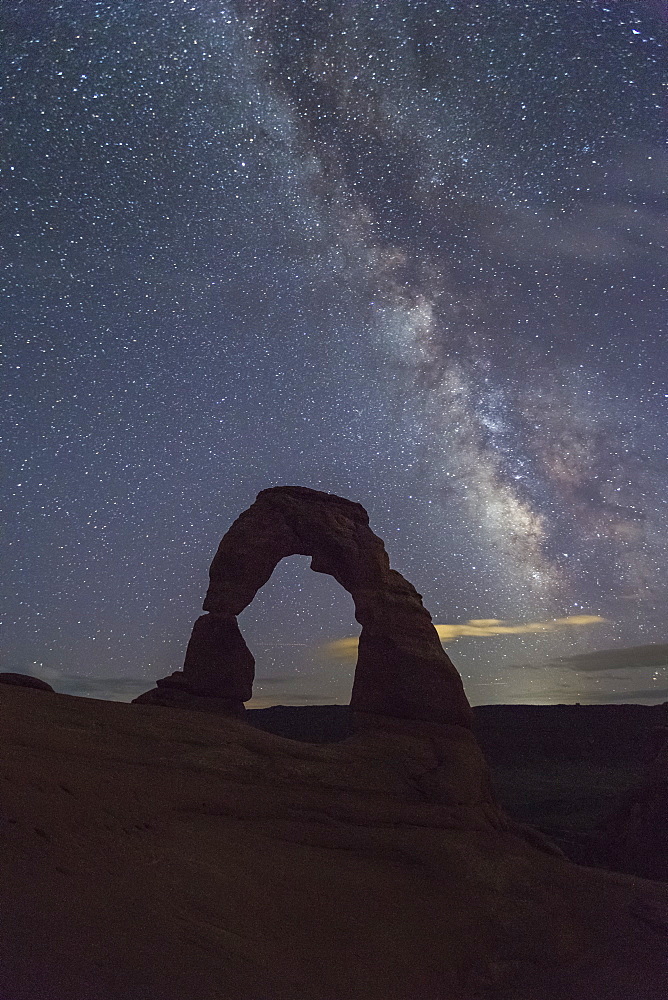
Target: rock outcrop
(635,837)
(402,670)
(165,854)
(24,680)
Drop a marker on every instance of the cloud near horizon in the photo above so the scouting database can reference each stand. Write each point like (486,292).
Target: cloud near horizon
(652,655)
(347,648)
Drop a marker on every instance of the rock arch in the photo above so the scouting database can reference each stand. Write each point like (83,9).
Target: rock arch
(402,669)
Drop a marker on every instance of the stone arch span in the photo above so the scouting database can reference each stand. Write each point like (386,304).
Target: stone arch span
(402,669)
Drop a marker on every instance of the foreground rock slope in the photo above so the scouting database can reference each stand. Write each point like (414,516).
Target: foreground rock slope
(164,853)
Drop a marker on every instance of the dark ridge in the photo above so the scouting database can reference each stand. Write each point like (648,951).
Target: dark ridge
(24,680)
(600,734)
(307,723)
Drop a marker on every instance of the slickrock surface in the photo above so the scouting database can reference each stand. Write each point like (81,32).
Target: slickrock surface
(569,788)
(157,853)
(402,669)
(635,837)
(24,680)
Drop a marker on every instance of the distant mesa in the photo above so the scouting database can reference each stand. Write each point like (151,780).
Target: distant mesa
(402,669)
(24,680)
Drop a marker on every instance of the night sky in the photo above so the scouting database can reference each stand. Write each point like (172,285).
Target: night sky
(410,252)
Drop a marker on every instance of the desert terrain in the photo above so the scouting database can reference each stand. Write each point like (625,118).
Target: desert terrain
(164,853)
(561,768)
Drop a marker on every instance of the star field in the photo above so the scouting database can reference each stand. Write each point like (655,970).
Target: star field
(410,252)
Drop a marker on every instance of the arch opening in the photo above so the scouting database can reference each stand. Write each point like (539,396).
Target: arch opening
(288,626)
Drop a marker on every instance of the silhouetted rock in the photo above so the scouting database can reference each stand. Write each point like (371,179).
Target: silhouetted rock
(24,680)
(177,697)
(635,837)
(402,670)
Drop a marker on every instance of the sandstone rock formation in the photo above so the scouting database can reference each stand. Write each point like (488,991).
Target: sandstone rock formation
(635,837)
(402,670)
(164,853)
(24,680)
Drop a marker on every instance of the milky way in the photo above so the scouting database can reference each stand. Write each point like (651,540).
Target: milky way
(410,252)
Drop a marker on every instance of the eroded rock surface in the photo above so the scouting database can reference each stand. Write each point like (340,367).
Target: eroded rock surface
(402,670)
(635,837)
(24,680)
(167,854)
